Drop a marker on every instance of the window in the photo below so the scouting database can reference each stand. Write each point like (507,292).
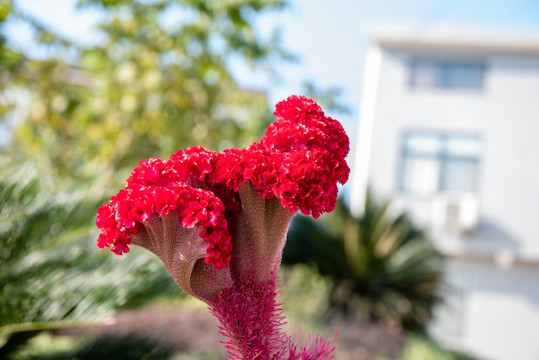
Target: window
(433,163)
(446,74)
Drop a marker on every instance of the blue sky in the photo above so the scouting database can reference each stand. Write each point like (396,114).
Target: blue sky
(330,36)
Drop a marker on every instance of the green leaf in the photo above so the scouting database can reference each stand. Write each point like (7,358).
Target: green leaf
(387,263)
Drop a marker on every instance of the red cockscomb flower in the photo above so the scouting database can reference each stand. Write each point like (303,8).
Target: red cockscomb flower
(219,221)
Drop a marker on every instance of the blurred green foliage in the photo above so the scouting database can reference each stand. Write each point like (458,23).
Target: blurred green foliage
(118,348)
(380,266)
(418,347)
(328,98)
(304,297)
(51,273)
(156,79)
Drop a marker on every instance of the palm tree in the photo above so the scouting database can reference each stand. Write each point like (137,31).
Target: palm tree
(381,266)
(51,273)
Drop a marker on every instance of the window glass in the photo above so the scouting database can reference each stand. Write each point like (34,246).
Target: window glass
(461,75)
(422,144)
(429,73)
(424,74)
(459,175)
(463,146)
(434,163)
(420,175)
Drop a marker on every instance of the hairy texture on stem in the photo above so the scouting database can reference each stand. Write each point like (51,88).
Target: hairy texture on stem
(316,349)
(251,319)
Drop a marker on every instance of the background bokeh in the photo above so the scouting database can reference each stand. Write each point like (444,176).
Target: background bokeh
(89,88)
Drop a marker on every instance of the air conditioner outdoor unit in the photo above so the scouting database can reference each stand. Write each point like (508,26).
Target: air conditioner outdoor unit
(455,214)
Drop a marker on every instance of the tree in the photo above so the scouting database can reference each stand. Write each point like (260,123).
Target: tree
(382,266)
(158,79)
(147,87)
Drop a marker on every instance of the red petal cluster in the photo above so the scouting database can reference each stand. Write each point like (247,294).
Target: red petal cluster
(313,148)
(157,188)
(299,160)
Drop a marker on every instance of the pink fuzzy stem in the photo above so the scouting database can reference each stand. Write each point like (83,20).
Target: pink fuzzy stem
(251,318)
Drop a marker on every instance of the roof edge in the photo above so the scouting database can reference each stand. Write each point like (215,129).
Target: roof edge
(456,38)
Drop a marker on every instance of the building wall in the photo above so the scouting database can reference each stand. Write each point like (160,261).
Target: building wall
(493,307)
(491,312)
(504,114)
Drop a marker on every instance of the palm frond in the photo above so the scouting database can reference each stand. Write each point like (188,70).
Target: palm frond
(51,272)
(385,264)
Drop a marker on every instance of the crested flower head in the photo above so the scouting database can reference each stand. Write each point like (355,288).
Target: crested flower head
(219,221)
(299,161)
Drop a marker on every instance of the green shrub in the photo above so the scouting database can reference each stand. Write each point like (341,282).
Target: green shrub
(381,267)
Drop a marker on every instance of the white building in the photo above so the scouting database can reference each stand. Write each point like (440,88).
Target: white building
(449,130)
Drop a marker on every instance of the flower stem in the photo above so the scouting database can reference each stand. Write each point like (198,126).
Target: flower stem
(251,318)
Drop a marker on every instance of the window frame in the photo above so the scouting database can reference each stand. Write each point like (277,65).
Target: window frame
(443,157)
(442,65)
